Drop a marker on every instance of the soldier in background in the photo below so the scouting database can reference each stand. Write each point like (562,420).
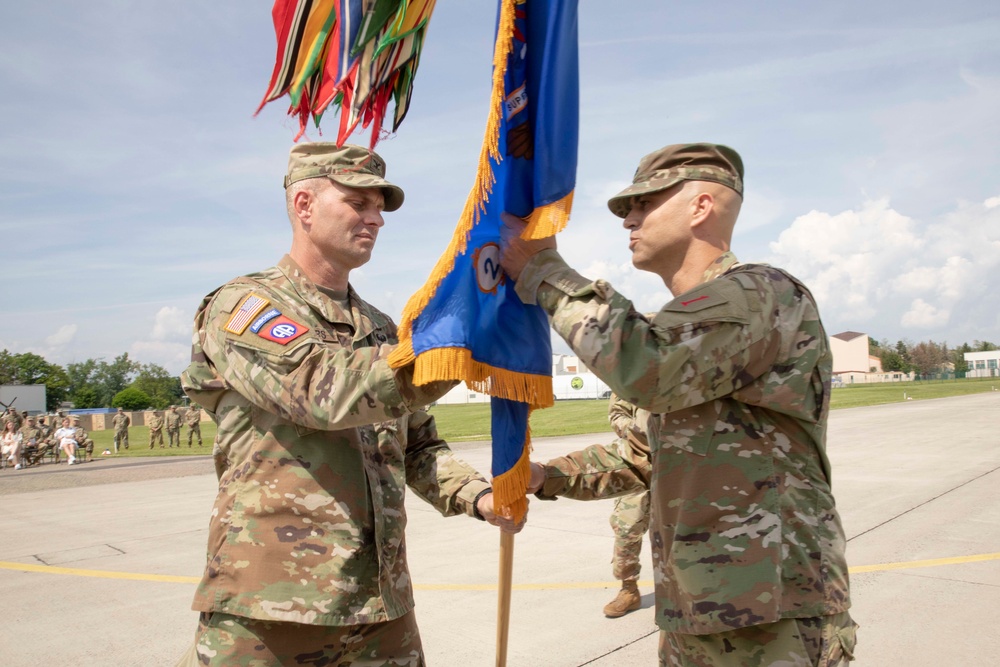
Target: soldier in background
(193,419)
(45,430)
(747,545)
(630,518)
(83,441)
(121,422)
(31,441)
(155,423)
(12,415)
(173,422)
(306,558)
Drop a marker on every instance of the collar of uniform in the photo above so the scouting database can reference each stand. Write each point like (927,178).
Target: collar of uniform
(722,263)
(359,318)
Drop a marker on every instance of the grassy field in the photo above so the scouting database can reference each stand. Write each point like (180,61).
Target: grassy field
(457,423)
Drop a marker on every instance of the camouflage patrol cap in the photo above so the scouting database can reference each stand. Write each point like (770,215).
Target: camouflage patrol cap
(349,165)
(681,162)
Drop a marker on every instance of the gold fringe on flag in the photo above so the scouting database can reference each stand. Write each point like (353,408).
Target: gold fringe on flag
(480,193)
(508,488)
(548,220)
(449,363)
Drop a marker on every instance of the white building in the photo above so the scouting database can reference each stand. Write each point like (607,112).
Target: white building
(982,364)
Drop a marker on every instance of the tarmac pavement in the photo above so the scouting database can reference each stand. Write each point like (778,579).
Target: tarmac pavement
(98,562)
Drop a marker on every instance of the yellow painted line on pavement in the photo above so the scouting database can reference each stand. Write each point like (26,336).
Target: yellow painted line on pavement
(173,579)
(103,574)
(936,562)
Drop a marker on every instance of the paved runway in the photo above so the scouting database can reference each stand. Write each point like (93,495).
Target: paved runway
(101,571)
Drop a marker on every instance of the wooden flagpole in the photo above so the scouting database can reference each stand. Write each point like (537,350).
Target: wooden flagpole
(503,595)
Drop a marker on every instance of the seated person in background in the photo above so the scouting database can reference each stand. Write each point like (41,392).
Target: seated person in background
(10,443)
(66,437)
(31,441)
(83,440)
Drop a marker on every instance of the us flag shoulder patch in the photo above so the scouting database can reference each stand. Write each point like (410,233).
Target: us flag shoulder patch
(242,316)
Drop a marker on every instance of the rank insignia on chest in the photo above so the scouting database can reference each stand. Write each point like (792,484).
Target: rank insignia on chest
(282,330)
(249,309)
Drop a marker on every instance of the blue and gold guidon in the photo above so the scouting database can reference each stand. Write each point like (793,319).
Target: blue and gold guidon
(466,323)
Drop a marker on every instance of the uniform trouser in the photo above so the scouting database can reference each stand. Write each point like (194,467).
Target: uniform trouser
(826,641)
(174,437)
(121,438)
(223,640)
(192,431)
(630,520)
(155,437)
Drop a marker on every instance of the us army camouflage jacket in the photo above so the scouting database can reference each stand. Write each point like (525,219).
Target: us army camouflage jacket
(192,417)
(322,438)
(173,420)
(121,422)
(155,422)
(736,372)
(31,435)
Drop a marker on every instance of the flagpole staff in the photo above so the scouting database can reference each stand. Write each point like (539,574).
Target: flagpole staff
(503,595)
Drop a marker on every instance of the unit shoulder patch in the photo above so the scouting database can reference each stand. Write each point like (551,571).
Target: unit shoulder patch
(281,330)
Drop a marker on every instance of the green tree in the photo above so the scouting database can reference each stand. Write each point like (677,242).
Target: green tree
(928,357)
(958,358)
(131,399)
(85,397)
(30,368)
(162,388)
(7,367)
(983,346)
(112,378)
(81,374)
(893,362)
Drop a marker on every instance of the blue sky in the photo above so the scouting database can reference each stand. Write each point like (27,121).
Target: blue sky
(134,178)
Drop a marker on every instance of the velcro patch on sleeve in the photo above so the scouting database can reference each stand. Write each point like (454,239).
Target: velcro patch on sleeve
(718,300)
(282,330)
(259,323)
(243,316)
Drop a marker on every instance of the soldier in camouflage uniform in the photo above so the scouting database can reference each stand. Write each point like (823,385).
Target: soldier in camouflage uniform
(630,518)
(12,415)
(320,437)
(173,423)
(155,423)
(747,545)
(193,420)
(84,444)
(121,422)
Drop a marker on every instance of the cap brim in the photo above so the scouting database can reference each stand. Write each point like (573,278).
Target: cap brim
(621,203)
(393,193)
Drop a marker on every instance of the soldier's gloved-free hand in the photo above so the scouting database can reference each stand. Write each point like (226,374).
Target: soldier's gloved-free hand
(485,508)
(537,477)
(516,251)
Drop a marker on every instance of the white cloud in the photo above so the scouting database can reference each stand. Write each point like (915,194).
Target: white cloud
(172,356)
(171,323)
(992,202)
(923,315)
(62,337)
(168,343)
(877,270)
